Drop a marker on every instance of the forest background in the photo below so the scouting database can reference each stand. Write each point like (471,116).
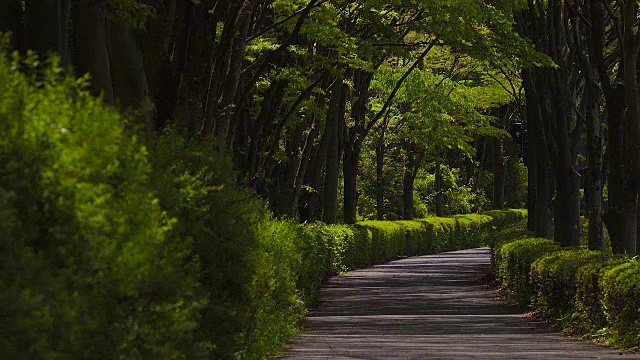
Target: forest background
(233,113)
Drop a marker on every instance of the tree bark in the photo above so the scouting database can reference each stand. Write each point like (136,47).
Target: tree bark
(335,123)
(380,152)
(498,173)
(410,168)
(91,52)
(127,70)
(350,166)
(438,189)
(47,27)
(11,20)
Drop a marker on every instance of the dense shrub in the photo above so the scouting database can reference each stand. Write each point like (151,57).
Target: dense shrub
(554,280)
(516,182)
(586,292)
(87,268)
(515,265)
(589,313)
(621,302)
(197,187)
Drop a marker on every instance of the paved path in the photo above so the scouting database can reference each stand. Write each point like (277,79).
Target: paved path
(430,307)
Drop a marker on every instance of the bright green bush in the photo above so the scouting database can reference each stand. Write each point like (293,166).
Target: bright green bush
(515,265)
(323,249)
(516,182)
(621,302)
(275,307)
(507,216)
(87,268)
(554,278)
(388,239)
(197,187)
(589,313)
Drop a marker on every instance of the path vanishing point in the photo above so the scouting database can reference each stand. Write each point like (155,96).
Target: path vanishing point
(428,307)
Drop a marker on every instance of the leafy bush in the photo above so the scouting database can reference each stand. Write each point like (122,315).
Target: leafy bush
(220,219)
(275,307)
(588,292)
(516,182)
(621,302)
(87,266)
(515,263)
(590,316)
(554,280)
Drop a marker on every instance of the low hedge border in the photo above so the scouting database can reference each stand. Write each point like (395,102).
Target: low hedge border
(320,251)
(590,293)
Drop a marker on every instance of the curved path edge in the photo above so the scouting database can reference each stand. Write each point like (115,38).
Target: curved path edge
(428,307)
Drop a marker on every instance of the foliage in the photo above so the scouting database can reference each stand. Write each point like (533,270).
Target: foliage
(587,292)
(589,313)
(514,264)
(89,268)
(197,187)
(620,288)
(554,280)
(516,183)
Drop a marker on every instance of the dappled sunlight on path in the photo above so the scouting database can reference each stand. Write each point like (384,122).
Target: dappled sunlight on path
(430,307)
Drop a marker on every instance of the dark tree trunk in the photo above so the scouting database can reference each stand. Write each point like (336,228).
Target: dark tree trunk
(531,155)
(410,167)
(91,51)
(614,218)
(47,27)
(11,20)
(286,192)
(302,169)
(438,189)
(542,213)
(270,105)
(335,123)
(127,70)
(498,173)
(353,144)
(350,165)
(380,151)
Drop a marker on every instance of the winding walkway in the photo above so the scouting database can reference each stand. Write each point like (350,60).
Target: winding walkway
(429,307)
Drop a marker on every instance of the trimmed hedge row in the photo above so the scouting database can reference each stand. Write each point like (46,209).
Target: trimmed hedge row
(585,292)
(330,249)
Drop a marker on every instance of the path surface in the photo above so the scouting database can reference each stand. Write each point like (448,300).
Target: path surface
(430,307)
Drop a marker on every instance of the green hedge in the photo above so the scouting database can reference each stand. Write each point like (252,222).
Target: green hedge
(514,264)
(88,264)
(586,292)
(620,288)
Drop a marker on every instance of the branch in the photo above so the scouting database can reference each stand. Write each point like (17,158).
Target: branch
(312,4)
(393,94)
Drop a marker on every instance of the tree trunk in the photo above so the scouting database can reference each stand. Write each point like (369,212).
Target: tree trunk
(407,183)
(614,219)
(631,126)
(91,51)
(532,169)
(350,166)
(335,123)
(498,173)
(302,168)
(11,20)
(127,70)
(47,27)
(438,188)
(231,82)
(593,179)
(380,151)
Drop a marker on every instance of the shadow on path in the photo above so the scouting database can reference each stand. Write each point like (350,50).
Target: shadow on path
(429,307)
